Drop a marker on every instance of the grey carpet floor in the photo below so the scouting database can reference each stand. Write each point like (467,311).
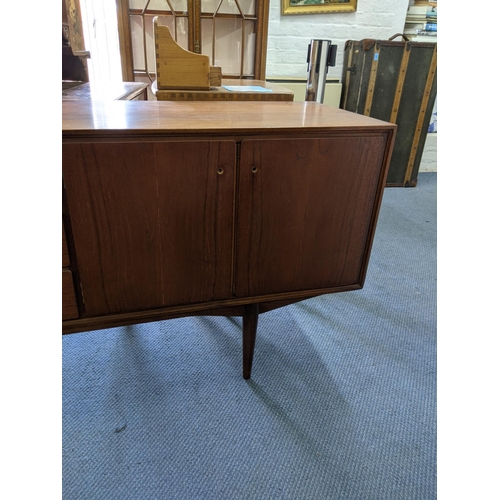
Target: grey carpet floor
(341,404)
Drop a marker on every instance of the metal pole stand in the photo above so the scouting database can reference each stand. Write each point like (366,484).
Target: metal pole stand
(320,55)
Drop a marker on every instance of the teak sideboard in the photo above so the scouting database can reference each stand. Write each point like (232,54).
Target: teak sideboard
(175,209)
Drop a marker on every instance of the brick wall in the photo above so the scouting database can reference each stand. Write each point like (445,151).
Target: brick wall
(428,163)
(289,35)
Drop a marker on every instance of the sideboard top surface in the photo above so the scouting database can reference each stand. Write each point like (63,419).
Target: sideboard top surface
(208,118)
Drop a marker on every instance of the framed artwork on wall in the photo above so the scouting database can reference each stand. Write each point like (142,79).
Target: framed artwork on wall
(317,6)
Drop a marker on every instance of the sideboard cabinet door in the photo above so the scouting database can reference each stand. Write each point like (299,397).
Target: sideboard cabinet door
(152,222)
(305,211)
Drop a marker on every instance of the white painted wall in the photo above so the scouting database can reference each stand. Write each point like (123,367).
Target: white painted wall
(289,35)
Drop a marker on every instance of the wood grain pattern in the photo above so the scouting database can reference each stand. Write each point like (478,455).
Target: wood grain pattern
(69,307)
(178,68)
(215,76)
(261,31)
(220,93)
(304,212)
(180,208)
(109,91)
(189,119)
(65,253)
(266,303)
(152,223)
(192,9)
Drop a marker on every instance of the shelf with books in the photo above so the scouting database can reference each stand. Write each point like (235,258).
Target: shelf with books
(421,21)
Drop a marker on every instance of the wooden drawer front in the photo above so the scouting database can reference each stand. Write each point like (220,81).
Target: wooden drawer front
(65,253)
(69,307)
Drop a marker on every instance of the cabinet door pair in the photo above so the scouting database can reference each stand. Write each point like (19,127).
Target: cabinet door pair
(158,224)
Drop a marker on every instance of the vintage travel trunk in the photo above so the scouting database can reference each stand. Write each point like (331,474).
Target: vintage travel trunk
(394,81)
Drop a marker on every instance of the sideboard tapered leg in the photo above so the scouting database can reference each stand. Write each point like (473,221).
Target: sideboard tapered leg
(250,319)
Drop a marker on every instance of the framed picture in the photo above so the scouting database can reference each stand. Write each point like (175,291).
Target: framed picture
(317,6)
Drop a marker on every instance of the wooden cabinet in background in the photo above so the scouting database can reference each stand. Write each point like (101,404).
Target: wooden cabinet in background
(229,208)
(233,34)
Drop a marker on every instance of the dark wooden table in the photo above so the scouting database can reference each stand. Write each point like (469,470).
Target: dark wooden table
(174,209)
